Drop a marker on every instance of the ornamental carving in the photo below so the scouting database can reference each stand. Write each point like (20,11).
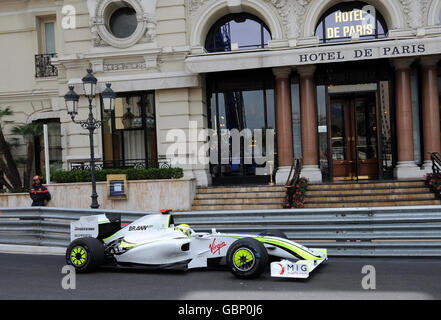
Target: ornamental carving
(124,66)
(145,31)
(292,14)
(194,5)
(414,12)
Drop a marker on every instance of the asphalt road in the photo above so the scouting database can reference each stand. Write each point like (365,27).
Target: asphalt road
(40,277)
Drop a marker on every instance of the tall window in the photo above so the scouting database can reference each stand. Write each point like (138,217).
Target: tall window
(349,20)
(46,47)
(237,31)
(47,25)
(129,137)
(49,37)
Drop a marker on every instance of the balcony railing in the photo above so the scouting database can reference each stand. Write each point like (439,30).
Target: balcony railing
(122,164)
(43,66)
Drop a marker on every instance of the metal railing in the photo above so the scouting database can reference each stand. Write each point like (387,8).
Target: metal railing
(436,162)
(44,67)
(404,231)
(294,174)
(122,164)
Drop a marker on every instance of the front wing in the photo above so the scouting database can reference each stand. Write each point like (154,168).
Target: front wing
(298,270)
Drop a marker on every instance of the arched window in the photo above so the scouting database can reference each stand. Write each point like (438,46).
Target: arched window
(237,31)
(349,20)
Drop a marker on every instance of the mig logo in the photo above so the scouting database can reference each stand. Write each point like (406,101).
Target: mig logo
(216,248)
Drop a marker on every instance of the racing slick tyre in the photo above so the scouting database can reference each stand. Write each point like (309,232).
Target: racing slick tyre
(274,233)
(247,258)
(85,254)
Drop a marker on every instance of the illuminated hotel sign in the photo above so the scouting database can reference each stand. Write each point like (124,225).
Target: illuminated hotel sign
(359,22)
(347,21)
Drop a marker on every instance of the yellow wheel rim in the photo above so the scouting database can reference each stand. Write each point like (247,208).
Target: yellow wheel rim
(244,259)
(78,256)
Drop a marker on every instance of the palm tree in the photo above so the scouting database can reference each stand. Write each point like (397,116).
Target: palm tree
(29,132)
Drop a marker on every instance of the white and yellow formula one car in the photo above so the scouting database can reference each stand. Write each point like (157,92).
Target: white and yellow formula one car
(154,242)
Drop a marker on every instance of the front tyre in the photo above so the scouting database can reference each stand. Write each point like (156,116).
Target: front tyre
(85,254)
(247,258)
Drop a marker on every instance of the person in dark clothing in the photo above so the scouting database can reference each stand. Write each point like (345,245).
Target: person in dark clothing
(40,195)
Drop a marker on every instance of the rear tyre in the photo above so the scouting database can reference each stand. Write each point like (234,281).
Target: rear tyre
(247,258)
(85,254)
(274,233)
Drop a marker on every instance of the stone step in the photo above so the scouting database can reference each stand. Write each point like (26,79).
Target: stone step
(365,185)
(377,197)
(373,204)
(240,189)
(236,207)
(324,193)
(236,195)
(239,201)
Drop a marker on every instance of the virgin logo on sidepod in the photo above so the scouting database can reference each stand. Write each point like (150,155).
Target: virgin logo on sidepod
(283,269)
(216,248)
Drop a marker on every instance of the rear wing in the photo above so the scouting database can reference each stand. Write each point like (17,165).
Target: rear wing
(97,226)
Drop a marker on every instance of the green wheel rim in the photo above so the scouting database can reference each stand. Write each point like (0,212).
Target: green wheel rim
(244,259)
(78,256)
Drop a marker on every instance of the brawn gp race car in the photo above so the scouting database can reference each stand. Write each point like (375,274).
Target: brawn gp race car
(154,242)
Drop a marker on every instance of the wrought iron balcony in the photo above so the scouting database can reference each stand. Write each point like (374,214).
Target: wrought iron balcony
(122,164)
(43,66)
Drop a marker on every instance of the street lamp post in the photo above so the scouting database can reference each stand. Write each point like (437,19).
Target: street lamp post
(71,98)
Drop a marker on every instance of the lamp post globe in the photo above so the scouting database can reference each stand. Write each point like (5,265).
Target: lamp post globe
(71,98)
(89,84)
(108,96)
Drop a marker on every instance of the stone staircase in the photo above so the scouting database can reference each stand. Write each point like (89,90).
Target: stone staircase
(334,195)
(239,198)
(369,194)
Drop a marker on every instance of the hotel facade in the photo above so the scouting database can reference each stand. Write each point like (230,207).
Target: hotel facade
(352,88)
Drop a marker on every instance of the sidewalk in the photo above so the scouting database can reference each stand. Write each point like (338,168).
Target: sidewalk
(21,249)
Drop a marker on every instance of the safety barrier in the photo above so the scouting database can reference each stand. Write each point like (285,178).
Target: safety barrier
(398,231)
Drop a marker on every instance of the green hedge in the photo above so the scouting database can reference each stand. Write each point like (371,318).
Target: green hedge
(61,176)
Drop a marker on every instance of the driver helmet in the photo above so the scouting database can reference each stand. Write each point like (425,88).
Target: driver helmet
(185,228)
(35,178)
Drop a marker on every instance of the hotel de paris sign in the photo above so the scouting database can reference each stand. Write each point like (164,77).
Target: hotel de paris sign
(366,50)
(363,52)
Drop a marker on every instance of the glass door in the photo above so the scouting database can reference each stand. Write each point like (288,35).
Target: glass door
(354,137)
(342,142)
(365,109)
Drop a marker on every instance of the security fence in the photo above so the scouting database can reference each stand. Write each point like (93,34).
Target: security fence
(403,231)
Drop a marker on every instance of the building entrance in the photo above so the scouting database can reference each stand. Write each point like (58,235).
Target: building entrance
(242,115)
(354,136)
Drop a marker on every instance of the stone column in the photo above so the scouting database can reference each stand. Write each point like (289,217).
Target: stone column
(406,167)
(284,124)
(308,110)
(431,115)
